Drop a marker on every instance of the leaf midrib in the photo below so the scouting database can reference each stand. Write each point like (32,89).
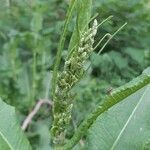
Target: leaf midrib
(128,120)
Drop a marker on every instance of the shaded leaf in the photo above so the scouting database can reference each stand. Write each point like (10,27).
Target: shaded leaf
(135,54)
(43,131)
(120,61)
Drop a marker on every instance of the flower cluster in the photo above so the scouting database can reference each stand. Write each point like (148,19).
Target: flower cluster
(71,74)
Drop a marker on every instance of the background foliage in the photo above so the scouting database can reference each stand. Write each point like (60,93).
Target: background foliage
(29,35)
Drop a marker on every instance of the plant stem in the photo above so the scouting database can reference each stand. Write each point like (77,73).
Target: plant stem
(33,77)
(34,71)
(112,37)
(61,45)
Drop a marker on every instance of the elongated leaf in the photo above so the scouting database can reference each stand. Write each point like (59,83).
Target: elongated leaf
(83,8)
(126,126)
(11,136)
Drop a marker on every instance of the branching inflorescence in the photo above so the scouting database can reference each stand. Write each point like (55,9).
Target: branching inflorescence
(72,72)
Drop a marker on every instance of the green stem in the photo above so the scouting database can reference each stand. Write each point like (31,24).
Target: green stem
(33,77)
(111,38)
(61,45)
(101,40)
(34,69)
(13,63)
(13,43)
(116,96)
(108,18)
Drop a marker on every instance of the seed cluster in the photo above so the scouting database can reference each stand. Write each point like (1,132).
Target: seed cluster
(71,74)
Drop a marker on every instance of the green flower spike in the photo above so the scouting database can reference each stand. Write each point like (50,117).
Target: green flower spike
(71,74)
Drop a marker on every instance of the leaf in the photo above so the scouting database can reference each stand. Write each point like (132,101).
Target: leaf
(11,135)
(146,145)
(101,60)
(118,59)
(43,131)
(23,82)
(83,17)
(147,71)
(125,126)
(115,97)
(36,23)
(4,4)
(136,54)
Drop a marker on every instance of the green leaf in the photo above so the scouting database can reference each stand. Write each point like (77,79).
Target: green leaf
(36,23)
(43,131)
(118,59)
(83,17)
(23,82)
(147,71)
(115,97)
(124,126)
(146,145)
(136,54)
(101,60)
(11,136)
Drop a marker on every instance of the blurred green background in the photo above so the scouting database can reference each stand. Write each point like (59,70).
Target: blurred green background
(29,35)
